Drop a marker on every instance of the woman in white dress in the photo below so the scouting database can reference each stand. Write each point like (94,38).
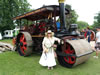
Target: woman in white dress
(48,57)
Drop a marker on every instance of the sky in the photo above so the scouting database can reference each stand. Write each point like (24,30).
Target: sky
(86,9)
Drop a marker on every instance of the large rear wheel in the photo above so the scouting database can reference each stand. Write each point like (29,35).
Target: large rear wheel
(24,44)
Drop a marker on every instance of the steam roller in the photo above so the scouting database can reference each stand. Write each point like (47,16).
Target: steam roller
(72,50)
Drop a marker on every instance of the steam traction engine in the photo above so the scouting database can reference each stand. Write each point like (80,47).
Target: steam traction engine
(71,51)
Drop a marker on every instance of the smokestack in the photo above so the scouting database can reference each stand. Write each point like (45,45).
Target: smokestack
(62,14)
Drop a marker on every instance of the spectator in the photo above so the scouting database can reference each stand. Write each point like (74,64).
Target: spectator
(97,41)
(48,57)
(88,37)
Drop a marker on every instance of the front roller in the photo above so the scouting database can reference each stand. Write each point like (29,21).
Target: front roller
(24,43)
(73,52)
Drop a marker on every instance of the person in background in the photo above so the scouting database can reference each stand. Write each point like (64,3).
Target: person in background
(97,41)
(48,54)
(85,33)
(88,37)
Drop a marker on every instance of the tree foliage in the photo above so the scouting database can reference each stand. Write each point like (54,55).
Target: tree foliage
(96,21)
(71,18)
(82,25)
(9,9)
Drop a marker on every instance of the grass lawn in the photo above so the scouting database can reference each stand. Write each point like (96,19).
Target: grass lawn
(13,64)
(7,41)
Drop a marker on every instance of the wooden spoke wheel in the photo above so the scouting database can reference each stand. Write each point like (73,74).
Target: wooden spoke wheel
(24,44)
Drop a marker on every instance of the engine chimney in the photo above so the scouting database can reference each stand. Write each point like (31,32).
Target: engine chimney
(62,14)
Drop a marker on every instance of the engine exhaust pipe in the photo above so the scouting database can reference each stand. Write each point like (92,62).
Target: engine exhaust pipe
(62,15)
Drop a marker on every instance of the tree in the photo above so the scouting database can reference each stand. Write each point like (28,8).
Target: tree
(10,9)
(82,25)
(71,18)
(96,21)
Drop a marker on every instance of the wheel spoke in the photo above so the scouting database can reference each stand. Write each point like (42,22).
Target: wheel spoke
(23,37)
(22,50)
(69,50)
(23,44)
(71,60)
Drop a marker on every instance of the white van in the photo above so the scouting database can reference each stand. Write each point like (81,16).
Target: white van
(0,36)
(8,34)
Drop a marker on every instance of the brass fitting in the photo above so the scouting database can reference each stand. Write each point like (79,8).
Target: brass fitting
(61,1)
